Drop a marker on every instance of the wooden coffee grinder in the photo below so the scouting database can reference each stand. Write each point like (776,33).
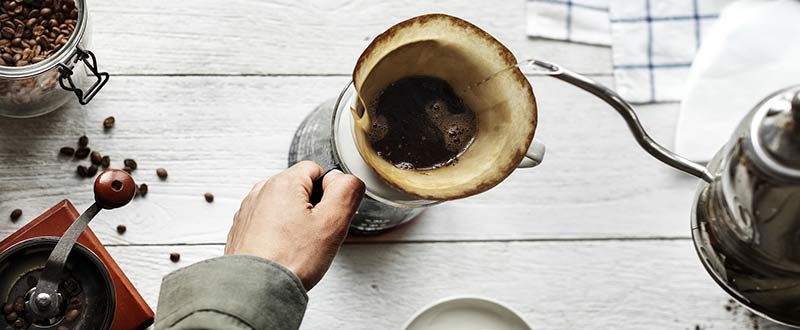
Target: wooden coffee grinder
(55,273)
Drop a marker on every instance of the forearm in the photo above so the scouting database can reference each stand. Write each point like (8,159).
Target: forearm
(232,292)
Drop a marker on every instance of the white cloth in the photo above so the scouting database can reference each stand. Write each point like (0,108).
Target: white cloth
(752,51)
(653,41)
(583,21)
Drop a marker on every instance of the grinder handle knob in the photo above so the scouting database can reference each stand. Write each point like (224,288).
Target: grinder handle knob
(114,188)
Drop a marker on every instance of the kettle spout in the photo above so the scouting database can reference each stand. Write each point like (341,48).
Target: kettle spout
(626,111)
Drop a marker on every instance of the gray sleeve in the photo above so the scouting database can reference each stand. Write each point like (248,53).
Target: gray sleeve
(231,292)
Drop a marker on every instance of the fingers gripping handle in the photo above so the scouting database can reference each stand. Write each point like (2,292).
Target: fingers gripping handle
(316,188)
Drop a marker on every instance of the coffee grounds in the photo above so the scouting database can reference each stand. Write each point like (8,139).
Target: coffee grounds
(420,123)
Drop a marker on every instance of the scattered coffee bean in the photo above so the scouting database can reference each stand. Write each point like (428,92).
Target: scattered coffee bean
(20,323)
(71,315)
(34,30)
(61,327)
(83,141)
(8,308)
(96,157)
(162,173)
(19,306)
(127,169)
(67,151)
(19,300)
(11,317)
(142,191)
(105,162)
(82,152)
(83,171)
(91,171)
(175,256)
(130,163)
(108,123)
(16,214)
(209,197)
(121,229)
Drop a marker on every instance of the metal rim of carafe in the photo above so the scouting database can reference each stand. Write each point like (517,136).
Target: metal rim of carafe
(63,54)
(339,163)
(32,242)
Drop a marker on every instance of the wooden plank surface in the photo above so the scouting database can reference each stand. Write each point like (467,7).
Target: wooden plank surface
(291,37)
(554,285)
(596,237)
(223,134)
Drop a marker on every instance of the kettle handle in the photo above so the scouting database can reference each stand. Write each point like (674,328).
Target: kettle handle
(626,111)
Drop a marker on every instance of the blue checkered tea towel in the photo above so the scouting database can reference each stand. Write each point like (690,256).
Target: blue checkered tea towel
(653,41)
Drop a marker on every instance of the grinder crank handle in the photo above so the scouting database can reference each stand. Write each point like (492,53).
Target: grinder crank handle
(626,111)
(112,189)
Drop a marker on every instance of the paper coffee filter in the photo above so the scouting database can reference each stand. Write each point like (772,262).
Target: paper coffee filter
(466,57)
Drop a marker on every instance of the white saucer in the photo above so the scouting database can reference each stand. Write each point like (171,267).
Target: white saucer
(467,313)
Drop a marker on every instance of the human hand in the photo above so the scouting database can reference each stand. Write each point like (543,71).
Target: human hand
(276,221)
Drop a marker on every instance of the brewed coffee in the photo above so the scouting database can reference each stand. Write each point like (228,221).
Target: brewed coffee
(420,123)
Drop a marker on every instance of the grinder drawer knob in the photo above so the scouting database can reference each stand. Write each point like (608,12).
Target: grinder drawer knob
(114,188)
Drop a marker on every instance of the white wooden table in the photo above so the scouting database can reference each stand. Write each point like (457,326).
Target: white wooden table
(595,238)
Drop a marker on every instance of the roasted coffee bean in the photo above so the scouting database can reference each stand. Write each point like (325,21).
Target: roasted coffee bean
(61,327)
(105,162)
(141,191)
(83,171)
(8,308)
(82,152)
(20,323)
(130,163)
(19,307)
(209,197)
(72,315)
(19,300)
(83,141)
(127,169)
(11,317)
(91,171)
(26,23)
(96,157)
(16,214)
(175,256)
(108,123)
(67,151)
(162,173)
(121,229)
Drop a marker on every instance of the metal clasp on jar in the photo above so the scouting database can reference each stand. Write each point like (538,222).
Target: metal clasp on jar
(90,61)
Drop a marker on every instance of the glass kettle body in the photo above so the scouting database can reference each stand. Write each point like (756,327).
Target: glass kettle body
(746,219)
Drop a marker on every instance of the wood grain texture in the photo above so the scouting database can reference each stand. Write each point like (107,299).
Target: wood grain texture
(224,134)
(554,285)
(291,37)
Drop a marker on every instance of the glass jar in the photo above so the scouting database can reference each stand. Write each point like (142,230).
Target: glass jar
(39,88)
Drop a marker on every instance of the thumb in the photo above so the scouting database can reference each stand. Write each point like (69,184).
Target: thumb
(341,195)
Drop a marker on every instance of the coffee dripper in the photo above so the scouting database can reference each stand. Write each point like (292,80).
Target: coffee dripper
(434,45)
(746,217)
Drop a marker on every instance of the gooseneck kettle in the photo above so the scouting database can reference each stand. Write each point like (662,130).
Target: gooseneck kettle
(746,218)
